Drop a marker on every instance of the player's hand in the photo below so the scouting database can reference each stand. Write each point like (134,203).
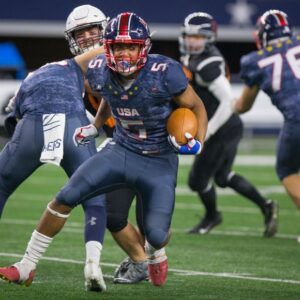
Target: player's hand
(193,146)
(83,135)
(11,104)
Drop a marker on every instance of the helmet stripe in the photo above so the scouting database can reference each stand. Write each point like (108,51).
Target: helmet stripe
(124,24)
(281,19)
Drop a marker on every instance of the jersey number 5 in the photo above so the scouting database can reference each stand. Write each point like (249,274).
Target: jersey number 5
(276,61)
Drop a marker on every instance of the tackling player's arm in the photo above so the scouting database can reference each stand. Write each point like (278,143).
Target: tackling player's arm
(102,115)
(83,59)
(191,100)
(246,100)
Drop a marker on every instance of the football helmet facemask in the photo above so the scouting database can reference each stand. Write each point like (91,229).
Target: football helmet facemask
(85,17)
(199,24)
(127,28)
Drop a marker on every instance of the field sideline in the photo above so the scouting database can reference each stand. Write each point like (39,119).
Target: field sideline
(233,262)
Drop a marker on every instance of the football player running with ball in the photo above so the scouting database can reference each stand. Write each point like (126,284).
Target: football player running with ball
(82,34)
(140,90)
(208,71)
(275,69)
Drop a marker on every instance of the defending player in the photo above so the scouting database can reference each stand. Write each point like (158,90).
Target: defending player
(140,90)
(209,74)
(83,33)
(275,69)
(49,108)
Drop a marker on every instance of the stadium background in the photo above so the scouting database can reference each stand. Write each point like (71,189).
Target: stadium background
(234,261)
(36,29)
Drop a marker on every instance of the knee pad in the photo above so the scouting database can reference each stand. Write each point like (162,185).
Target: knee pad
(68,195)
(157,237)
(116,222)
(197,184)
(221,181)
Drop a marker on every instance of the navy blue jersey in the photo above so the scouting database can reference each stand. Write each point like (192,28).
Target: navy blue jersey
(276,70)
(54,88)
(142,111)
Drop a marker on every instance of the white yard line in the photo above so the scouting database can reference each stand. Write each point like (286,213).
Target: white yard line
(181,190)
(176,271)
(77,227)
(241,160)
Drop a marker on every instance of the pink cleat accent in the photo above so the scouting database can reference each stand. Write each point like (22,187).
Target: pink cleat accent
(158,272)
(12,274)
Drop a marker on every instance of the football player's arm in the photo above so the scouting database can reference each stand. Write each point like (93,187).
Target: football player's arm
(83,59)
(191,100)
(102,115)
(246,100)
(221,89)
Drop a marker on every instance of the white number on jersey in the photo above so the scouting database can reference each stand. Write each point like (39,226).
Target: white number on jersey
(141,131)
(157,67)
(276,60)
(96,63)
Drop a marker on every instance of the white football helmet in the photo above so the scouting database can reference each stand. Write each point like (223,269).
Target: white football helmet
(81,17)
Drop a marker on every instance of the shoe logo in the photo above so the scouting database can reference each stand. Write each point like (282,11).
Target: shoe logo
(92,221)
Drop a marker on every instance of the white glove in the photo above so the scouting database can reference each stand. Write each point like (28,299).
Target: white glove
(193,146)
(83,135)
(11,104)
(103,144)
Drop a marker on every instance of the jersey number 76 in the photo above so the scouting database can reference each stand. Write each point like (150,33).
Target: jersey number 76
(276,61)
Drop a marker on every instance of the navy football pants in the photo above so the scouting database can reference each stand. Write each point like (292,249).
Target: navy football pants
(20,157)
(152,177)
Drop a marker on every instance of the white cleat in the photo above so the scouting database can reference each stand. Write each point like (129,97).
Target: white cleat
(93,277)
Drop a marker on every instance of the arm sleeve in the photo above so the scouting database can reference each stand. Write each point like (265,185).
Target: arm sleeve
(221,89)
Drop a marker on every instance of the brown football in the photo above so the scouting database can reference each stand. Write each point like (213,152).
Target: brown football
(180,121)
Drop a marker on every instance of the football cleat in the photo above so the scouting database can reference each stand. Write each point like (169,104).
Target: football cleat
(158,271)
(93,277)
(207,224)
(12,274)
(271,218)
(129,272)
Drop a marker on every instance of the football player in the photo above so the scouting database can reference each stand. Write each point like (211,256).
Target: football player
(209,77)
(84,32)
(140,90)
(52,90)
(275,69)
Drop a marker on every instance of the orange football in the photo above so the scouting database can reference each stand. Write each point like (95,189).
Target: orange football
(180,121)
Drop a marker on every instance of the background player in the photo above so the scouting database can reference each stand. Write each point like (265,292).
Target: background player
(275,69)
(209,76)
(140,156)
(83,32)
(51,91)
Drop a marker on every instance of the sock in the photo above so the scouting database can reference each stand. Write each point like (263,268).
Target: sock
(245,188)
(93,252)
(154,255)
(209,200)
(36,247)
(95,223)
